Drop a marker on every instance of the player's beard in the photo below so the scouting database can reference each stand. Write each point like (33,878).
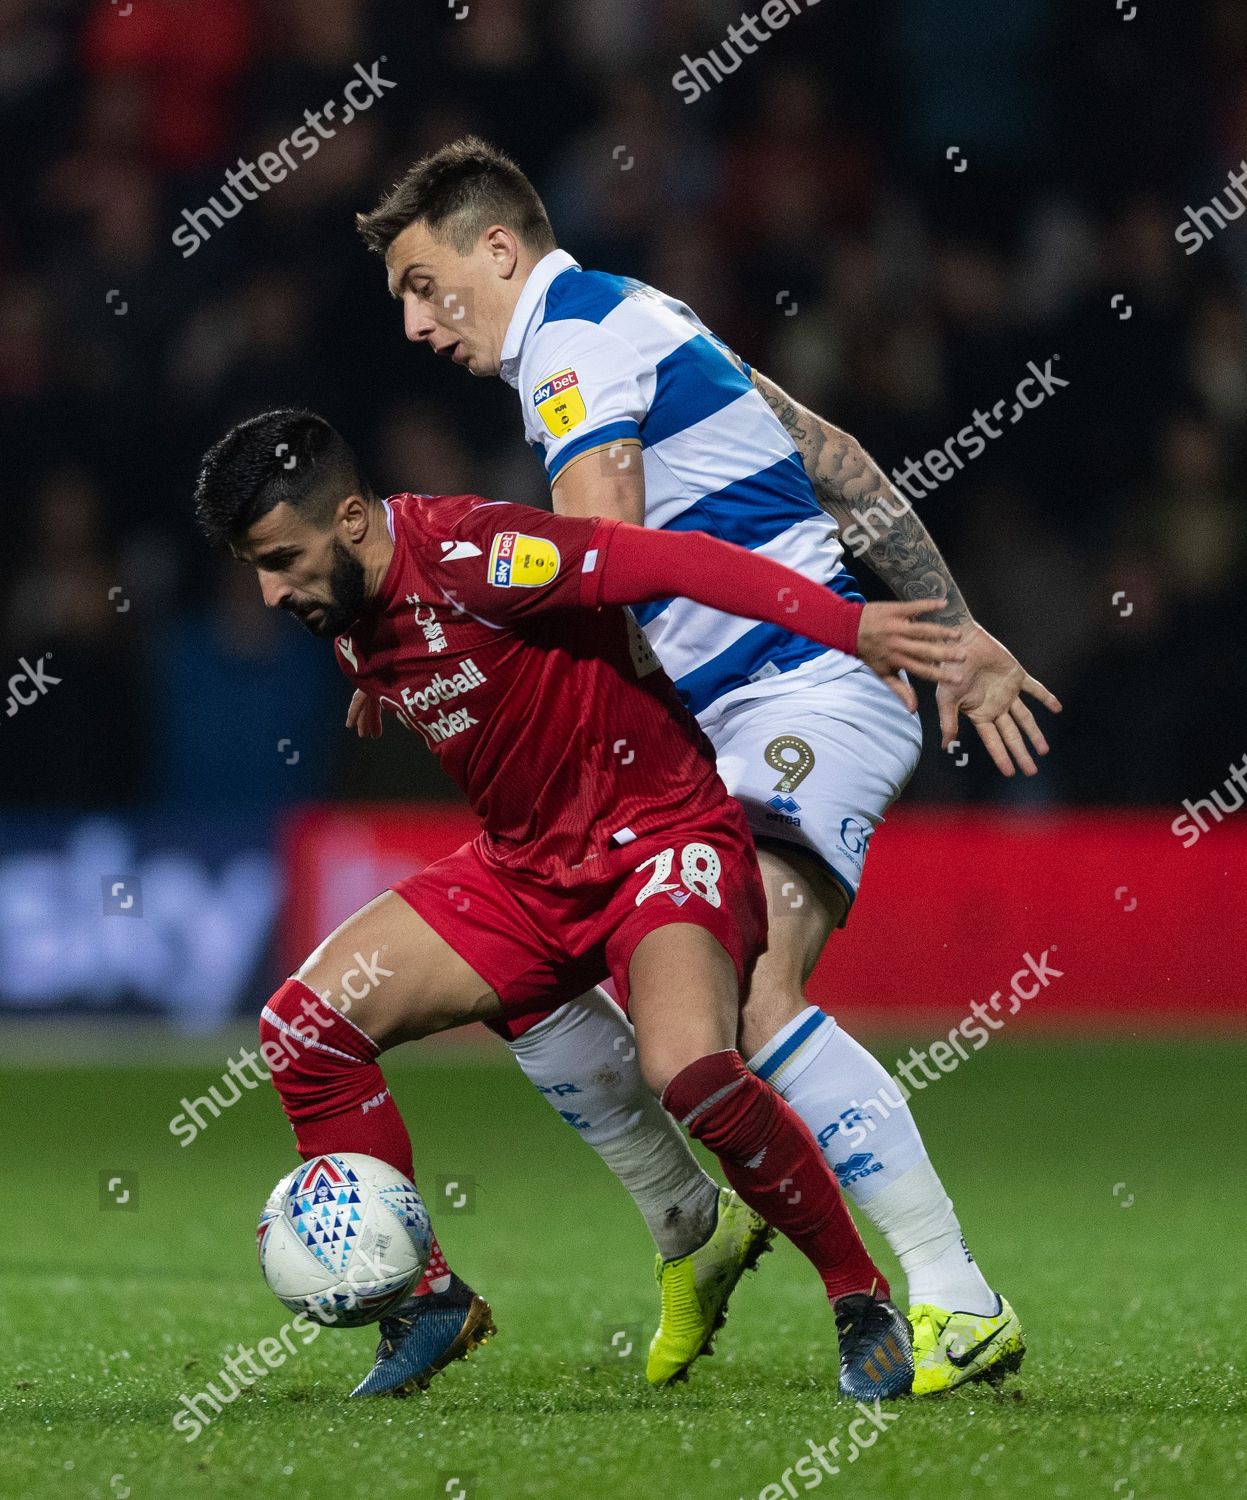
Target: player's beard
(347,596)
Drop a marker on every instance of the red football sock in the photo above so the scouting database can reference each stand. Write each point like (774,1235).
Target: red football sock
(436,1274)
(771,1160)
(335,1096)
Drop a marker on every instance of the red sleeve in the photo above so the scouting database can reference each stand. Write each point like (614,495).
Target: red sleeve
(635,565)
(509,562)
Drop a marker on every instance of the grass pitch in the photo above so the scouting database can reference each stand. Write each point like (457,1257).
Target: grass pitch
(1100,1187)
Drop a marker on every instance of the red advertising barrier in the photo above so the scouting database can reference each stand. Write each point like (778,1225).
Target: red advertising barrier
(1084,918)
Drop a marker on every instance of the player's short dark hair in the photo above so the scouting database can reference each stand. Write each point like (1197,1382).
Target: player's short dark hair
(290,455)
(459,192)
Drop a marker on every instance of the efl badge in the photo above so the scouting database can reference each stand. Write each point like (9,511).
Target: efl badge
(559,402)
(520,561)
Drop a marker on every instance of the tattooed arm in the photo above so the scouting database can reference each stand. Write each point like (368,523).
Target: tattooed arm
(881,525)
(875,521)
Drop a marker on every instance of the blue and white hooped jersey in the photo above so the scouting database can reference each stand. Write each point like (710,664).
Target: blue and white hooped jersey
(599,360)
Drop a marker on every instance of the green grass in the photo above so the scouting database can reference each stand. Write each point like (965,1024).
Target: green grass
(1133,1383)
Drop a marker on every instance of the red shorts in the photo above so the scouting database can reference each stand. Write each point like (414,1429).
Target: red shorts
(539,945)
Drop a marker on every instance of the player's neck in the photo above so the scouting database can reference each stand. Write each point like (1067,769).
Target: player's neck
(526,263)
(377,551)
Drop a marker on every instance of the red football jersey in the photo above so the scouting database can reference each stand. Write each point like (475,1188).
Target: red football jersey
(553,715)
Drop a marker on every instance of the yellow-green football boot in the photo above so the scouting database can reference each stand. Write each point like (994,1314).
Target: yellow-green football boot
(955,1348)
(695,1288)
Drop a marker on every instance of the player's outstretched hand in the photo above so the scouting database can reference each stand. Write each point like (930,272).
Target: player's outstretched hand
(989,693)
(364,716)
(892,638)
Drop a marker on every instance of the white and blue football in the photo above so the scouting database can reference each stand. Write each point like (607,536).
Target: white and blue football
(343,1239)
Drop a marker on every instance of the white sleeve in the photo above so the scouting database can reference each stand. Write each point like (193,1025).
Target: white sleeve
(583,388)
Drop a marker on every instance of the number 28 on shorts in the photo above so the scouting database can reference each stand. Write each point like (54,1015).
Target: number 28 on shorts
(699,873)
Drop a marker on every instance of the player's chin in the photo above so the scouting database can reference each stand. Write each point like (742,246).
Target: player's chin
(480,365)
(320,621)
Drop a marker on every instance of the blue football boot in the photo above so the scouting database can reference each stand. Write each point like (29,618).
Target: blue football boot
(425,1334)
(876,1349)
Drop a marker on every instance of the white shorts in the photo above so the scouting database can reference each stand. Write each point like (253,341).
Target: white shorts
(819,766)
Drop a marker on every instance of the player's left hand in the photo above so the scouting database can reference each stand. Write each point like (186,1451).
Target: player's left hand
(364,716)
(989,692)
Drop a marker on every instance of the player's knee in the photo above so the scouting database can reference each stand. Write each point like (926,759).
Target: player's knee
(665,1056)
(276,1044)
(672,1058)
(657,1072)
(693,1095)
(318,1060)
(803,905)
(284,1036)
(774,999)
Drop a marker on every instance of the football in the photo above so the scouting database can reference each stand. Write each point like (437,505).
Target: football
(343,1238)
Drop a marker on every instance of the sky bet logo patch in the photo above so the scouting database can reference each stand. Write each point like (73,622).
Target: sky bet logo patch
(520,561)
(559,402)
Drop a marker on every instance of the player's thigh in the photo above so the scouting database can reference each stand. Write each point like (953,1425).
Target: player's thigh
(814,769)
(819,765)
(684,1000)
(686,925)
(395,976)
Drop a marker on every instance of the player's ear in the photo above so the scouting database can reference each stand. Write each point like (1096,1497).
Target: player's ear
(502,248)
(353,518)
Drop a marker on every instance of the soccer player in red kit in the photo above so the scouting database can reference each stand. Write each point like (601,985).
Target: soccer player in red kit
(609,844)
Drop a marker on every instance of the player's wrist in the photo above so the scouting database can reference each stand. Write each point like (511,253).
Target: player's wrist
(854,626)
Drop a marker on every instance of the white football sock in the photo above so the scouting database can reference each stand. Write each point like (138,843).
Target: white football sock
(583,1058)
(862,1123)
(915,1212)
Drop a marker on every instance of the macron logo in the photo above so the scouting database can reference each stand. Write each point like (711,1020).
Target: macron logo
(375,1102)
(454,551)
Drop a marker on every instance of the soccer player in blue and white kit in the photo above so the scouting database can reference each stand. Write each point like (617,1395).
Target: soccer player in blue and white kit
(639,412)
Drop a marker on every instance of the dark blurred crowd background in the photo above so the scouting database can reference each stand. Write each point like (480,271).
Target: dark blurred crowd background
(806,207)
